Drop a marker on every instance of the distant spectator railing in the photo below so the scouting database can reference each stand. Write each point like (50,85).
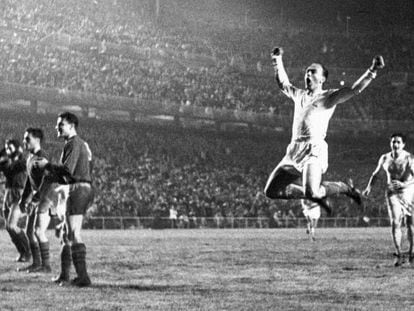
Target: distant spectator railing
(127,222)
(222,223)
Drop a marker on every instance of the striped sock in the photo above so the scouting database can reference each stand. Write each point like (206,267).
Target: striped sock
(15,239)
(34,247)
(24,240)
(79,260)
(45,254)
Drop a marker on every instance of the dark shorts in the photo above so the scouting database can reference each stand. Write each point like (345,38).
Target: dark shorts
(80,197)
(12,198)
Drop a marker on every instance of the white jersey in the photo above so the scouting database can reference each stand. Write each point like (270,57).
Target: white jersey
(401,169)
(311,114)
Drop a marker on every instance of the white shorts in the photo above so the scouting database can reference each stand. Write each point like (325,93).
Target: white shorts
(63,193)
(310,210)
(301,153)
(401,203)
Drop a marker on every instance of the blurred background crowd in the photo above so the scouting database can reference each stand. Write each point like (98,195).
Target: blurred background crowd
(210,54)
(170,52)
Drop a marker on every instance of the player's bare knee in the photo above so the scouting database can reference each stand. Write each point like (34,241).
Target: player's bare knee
(40,234)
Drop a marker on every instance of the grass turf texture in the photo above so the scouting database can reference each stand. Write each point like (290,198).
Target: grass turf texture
(345,269)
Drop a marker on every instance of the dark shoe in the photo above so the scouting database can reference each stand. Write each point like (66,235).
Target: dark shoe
(24,258)
(354,193)
(81,282)
(28,268)
(40,269)
(398,261)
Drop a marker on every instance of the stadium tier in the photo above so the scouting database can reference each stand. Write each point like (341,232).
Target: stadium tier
(123,49)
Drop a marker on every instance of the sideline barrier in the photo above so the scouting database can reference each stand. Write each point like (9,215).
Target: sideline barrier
(225,223)
(129,222)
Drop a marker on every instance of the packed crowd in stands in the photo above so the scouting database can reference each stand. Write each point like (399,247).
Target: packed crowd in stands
(236,80)
(144,170)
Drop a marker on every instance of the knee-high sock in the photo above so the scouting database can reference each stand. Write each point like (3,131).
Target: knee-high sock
(16,241)
(79,259)
(45,255)
(24,240)
(34,247)
(65,261)
(335,188)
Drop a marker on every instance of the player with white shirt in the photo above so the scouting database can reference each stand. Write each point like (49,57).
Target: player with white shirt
(299,174)
(398,165)
(312,212)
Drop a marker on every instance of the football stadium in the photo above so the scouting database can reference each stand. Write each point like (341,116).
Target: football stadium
(206,155)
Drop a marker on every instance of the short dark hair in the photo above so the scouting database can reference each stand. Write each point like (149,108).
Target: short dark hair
(325,71)
(36,132)
(70,117)
(17,145)
(398,134)
(14,142)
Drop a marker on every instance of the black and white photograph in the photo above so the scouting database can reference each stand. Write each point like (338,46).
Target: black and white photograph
(206,155)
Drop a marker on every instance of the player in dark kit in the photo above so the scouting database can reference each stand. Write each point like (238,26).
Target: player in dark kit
(37,203)
(73,170)
(13,166)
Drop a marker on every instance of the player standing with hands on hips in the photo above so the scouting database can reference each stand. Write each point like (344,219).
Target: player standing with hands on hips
(73,170)
(299,174)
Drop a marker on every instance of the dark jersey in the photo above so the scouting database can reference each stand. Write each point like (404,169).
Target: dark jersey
(15,172)
(34,175)
(74,163)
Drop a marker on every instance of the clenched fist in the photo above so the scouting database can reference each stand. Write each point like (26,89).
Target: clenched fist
(377,63)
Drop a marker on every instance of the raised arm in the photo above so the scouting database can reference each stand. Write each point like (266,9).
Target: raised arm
(279,69)
(346,93)
(374,176)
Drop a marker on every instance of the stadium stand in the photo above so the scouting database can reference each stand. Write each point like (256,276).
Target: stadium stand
(141,170)
(191,57)
(108,48)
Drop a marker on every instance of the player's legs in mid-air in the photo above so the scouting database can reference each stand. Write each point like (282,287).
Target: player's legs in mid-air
(299,176)
(284,183)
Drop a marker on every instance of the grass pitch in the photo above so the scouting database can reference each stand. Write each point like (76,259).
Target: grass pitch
(345,269)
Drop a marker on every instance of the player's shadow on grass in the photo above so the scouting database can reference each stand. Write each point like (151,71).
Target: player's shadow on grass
(143,288)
